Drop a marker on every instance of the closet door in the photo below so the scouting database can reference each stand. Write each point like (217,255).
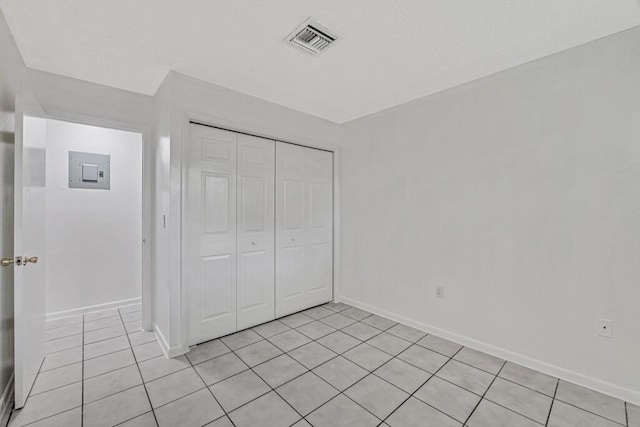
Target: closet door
(304,228)
(211,228)
(256,235)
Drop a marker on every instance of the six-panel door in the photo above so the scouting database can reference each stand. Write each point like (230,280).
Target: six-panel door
(211,223)
(256,264)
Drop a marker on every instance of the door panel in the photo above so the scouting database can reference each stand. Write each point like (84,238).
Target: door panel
(216,192)
(319,256)
(29,241)
(211,234)
(291,281)
(304,228)
(293,204)
(217,294)
(319,203)
(254,265)
(256,170)
(253,204)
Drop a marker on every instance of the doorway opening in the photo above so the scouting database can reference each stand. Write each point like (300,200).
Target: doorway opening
(94,215)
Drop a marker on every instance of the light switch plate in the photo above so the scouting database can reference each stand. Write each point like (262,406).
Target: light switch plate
(89,170)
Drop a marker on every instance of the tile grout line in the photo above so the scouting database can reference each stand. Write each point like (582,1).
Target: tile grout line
(239,348)
(30,394)
(313,319)
(591,412)
(422,385)
(626,413)
(488,372)
(45,418)
(553,399)
(136,363)
(283,353)
(343,391)
(208,387)
(93,358)
(484,394)
(513,410)
(268,385)
(362,367)
(496,375)
(144,385)
(93,342)
(309,371)
(82,379)
(137,385)
(522,385)
(452,357)
(340,354)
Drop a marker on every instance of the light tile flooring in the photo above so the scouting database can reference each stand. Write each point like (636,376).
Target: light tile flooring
(332,365)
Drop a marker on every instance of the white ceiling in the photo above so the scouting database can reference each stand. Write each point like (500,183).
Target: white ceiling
(391,51)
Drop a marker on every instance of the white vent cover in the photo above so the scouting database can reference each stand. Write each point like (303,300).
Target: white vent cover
(312,37)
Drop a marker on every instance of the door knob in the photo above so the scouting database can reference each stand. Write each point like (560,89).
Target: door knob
(33,259)
(6,262)
(253,242)
(293,239)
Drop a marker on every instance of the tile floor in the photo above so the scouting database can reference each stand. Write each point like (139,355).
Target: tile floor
(332,365)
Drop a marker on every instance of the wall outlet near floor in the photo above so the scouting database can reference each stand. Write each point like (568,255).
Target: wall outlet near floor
(605,328)
(440,291)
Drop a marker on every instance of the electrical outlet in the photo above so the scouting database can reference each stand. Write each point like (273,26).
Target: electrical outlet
(440,291)
(605,328)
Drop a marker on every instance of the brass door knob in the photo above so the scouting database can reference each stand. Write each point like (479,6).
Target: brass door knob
(6,262)
(33,259)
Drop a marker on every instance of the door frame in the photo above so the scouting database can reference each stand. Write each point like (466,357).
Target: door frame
(186,120)
(147,191)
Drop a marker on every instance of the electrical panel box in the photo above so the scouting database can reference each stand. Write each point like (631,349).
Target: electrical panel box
(89,170)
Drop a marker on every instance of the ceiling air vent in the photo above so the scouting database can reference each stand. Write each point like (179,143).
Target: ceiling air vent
(312,37)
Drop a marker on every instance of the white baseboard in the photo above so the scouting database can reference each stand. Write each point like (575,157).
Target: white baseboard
(169,352)
(549,369)
(6,402)
(90,308)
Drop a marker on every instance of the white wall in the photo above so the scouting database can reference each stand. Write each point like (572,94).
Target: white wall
(93,241)
(520,193)
(161,250)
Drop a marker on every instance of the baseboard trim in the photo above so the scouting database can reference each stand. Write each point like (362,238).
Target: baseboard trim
(90,308)
(6,402)
(549,369)
(169,352)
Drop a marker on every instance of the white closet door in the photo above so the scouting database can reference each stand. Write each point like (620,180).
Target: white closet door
(211,224)
(256,234)
(304,228)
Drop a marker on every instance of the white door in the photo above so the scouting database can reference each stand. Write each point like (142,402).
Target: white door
(256,235)
(304,228)
(29,245)
(211,234)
